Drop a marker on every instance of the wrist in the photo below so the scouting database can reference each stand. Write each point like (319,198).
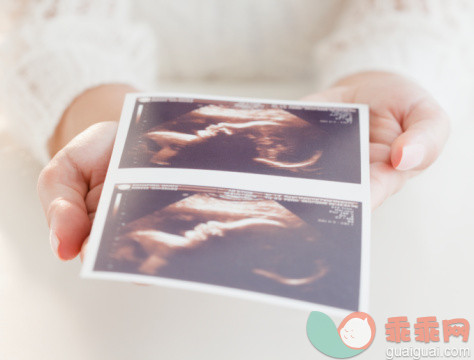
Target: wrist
(102,103)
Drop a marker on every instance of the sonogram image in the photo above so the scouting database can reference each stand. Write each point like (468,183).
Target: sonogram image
(255,242)
(252,138)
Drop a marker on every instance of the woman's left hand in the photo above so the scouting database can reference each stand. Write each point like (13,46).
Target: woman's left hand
(408,128)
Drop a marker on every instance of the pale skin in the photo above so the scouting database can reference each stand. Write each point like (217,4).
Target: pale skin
(408,130)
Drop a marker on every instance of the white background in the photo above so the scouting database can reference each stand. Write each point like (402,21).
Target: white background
(421,265)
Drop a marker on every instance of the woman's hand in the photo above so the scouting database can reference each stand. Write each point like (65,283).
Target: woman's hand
(70,185)
(408,129)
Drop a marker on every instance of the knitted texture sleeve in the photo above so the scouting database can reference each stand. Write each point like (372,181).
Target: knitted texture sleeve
(426,40)
(51,51)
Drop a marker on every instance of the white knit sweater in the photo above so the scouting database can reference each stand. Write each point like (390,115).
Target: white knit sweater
(52,50)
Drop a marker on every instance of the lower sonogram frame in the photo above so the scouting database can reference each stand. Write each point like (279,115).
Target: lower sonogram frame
(269,139)
(294,247)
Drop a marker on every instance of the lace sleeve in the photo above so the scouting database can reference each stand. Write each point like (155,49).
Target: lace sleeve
(51,51)
(427,40)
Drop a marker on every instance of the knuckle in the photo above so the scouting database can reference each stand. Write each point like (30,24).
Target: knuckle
(48,175)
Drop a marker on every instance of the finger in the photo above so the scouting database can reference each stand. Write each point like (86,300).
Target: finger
(91,208)
(384,128)
(64,184)
(379,153)
(62,190)
(92,200)
(426,129)
(385,181)
(84,249)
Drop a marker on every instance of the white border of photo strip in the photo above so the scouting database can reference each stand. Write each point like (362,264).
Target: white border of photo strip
(224,179)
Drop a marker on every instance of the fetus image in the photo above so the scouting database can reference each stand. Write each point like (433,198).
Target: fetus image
(225,137)
(203,220)
(249,241)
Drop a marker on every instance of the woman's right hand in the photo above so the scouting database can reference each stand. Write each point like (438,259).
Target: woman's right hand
(69,187)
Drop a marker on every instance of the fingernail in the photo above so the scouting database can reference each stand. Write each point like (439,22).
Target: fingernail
(412,156)
(54,241)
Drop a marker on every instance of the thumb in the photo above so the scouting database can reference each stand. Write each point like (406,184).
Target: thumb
(425,132)
(65,183)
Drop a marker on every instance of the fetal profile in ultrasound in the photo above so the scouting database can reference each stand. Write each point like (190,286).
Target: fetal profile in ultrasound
(258,244)
(228,137)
